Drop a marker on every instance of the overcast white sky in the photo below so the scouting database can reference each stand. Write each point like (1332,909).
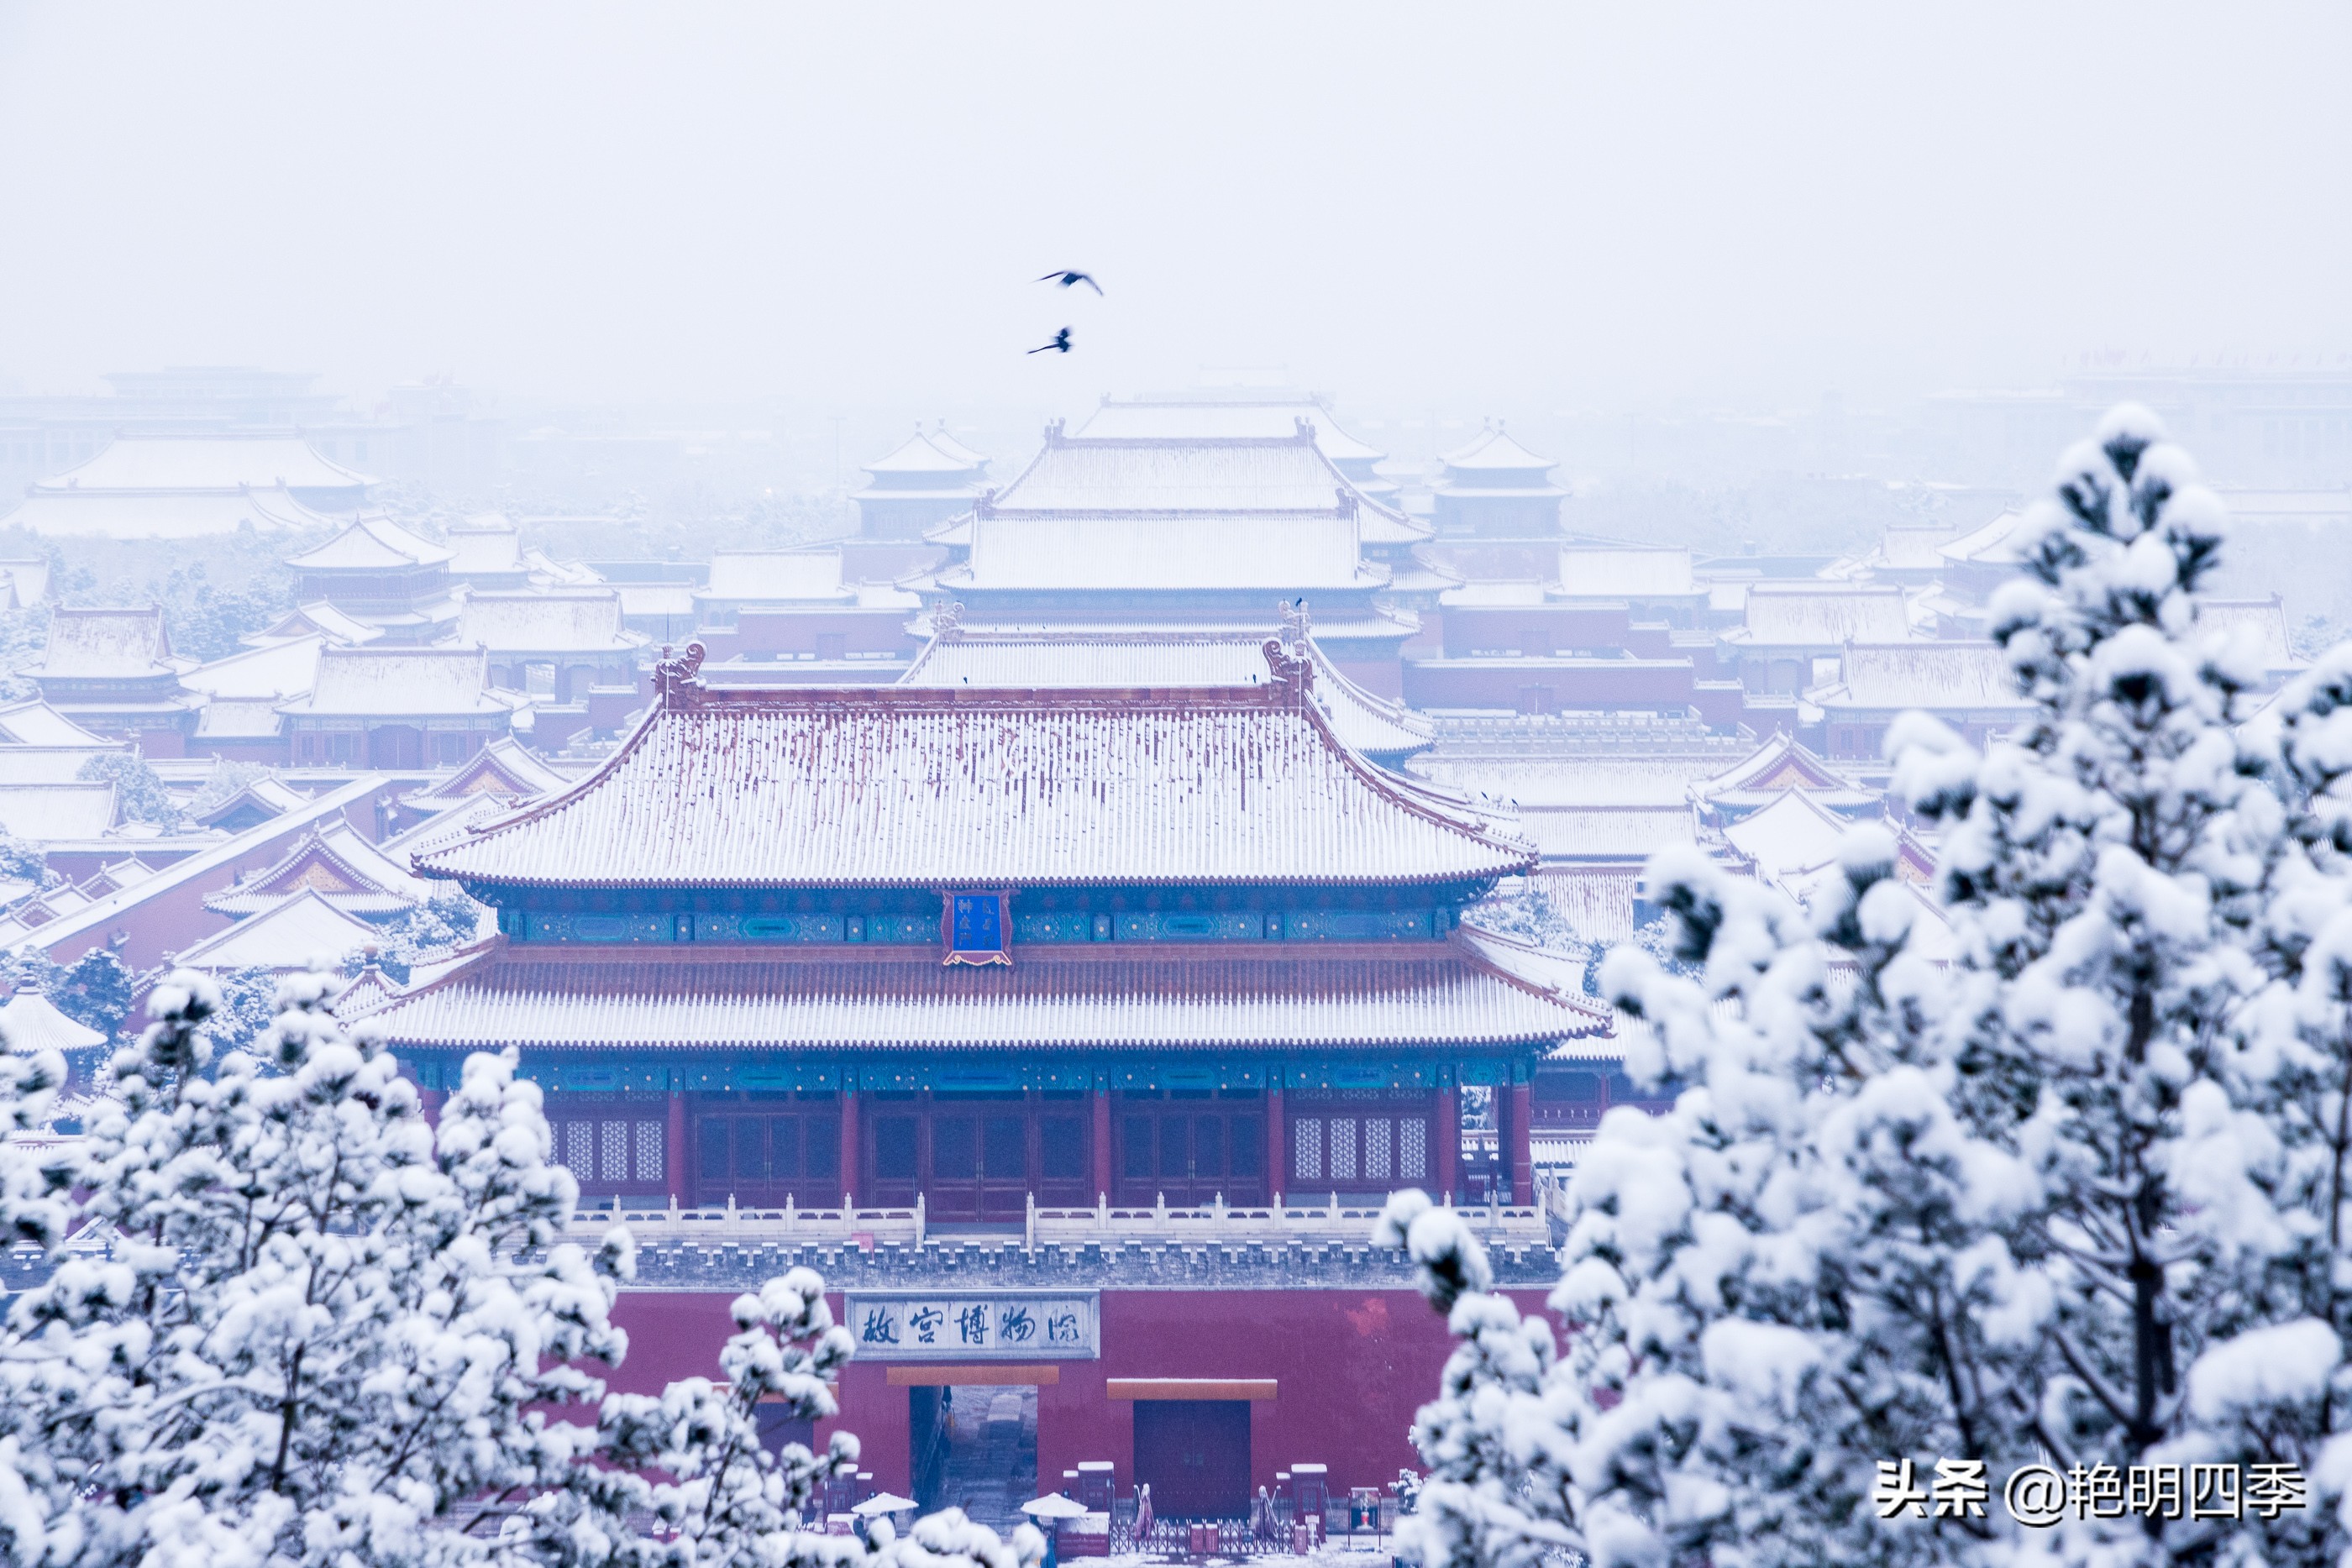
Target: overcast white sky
(1603,205)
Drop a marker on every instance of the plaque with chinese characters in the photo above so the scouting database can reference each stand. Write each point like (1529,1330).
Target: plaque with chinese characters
(996,1325)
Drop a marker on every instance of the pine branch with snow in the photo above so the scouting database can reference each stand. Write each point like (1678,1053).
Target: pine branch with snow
(300,1326)
(319,1330)
(2078,1194)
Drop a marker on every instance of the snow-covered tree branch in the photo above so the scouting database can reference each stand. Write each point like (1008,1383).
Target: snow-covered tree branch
(296,1324)
(2075,1196)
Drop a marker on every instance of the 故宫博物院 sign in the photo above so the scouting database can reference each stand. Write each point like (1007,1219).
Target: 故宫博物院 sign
(1001,1325)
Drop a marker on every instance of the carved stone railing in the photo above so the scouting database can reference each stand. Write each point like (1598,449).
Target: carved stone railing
(1348,1220)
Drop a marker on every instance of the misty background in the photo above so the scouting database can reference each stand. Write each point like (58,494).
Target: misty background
(1756,277)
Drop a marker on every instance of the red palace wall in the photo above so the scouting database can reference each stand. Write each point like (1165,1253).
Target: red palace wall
(1351,1368)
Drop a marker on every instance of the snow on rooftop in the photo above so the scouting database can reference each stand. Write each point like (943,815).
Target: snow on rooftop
(371,544)
(273,671)
(1987,545)
(1625,571)
(335,861)
(656,599)
(1597,902)
(908,786)
(1788,834)
(1197,419)
(784,576)
(485,545)
(1660,777)
(50,764)
(929,452)
(31,1022)
(409,682)
(46,814)
(567,621)
(320,617)
(1494,593)
(504,770)
(240,718)
(1926,674)
(1779,762)
(1166,553)
(35,723)
(1628,834)
(221,461)
(1821,615)
(1438,994)
(106,645)
(1912,548)
(290,934)
(1165,478)
(1136,660)
(1492,451)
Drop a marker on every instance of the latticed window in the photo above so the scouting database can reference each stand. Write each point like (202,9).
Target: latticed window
(1343,1148)
(1359,1144)
(611,1148)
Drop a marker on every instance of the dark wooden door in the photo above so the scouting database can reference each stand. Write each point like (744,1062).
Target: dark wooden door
(1192,1151)
(980,1162)
(765,1156)
(1194,1454)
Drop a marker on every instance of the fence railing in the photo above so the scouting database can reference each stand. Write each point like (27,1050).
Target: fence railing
(1333,1219)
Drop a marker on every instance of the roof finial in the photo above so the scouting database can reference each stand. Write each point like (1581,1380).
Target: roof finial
(673,676)
(947,620)
(1293,671)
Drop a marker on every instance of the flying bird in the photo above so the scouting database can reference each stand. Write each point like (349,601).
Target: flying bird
(1060,345)
(1071,280)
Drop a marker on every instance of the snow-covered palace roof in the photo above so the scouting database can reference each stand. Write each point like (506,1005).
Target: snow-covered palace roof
(1821,615)
(960,656)
(567,621)
(910,787)
(1282,478)
(1080,996)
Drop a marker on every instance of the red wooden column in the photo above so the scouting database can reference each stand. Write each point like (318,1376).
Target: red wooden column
(1102,1141)
(1449,1142)
(1517,1133)
(674,1149)
(848,1139)
(1277,1143)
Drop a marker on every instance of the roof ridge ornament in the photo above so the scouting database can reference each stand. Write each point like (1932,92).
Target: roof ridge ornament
(947,620)
(673,676)
(1293,672)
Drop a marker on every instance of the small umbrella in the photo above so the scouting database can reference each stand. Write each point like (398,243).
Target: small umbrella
(885,1502)
(1054,1505)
